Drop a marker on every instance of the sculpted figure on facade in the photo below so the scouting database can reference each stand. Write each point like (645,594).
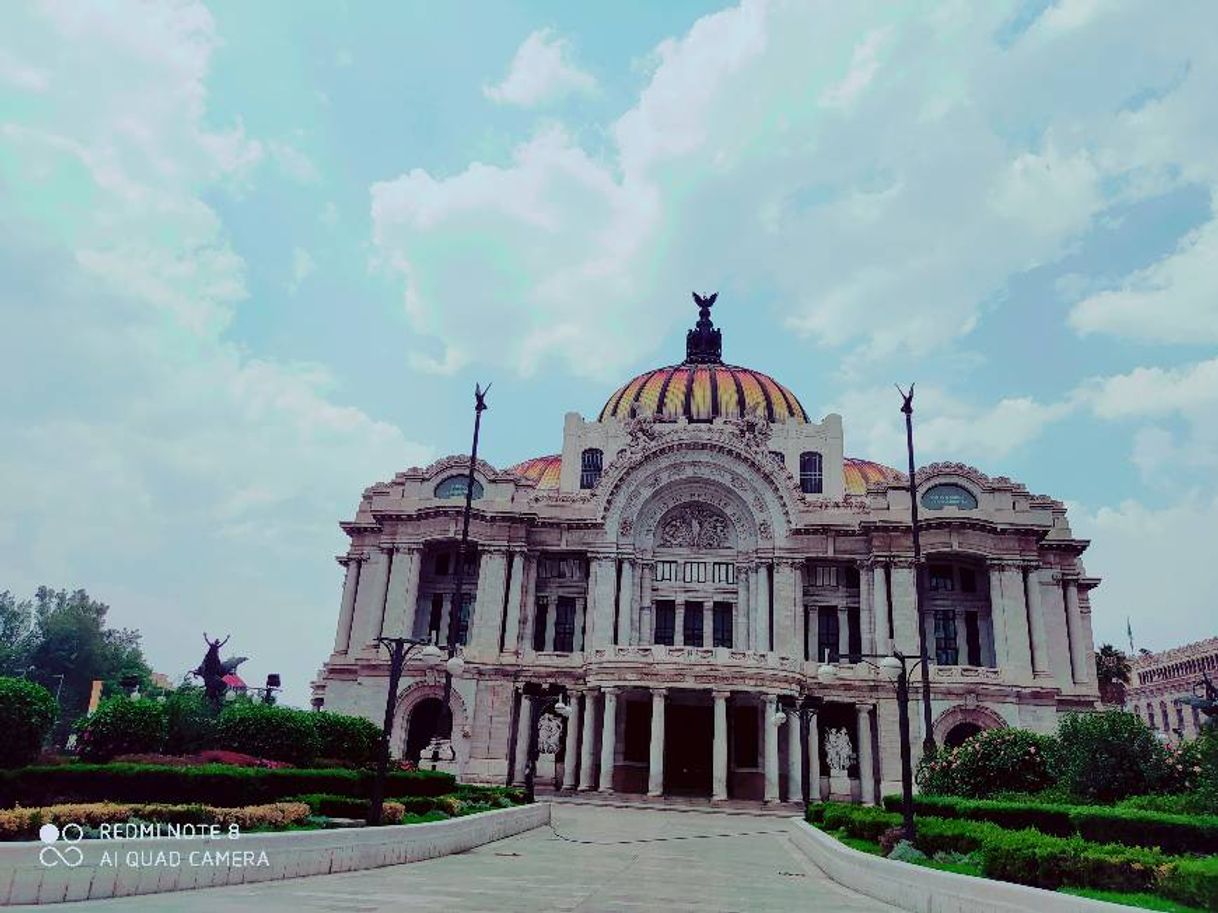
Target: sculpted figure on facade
(838,750)
(695,526)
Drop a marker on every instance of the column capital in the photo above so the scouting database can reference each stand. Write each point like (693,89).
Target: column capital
(721,694)
(406,547)
(659,692)
(610,691)
(863,707)
(345,560)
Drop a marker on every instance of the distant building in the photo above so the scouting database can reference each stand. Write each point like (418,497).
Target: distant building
(161,680)
(1158,679)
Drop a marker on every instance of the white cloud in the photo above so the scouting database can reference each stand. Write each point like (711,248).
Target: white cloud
(294,163)
(541,72)
(21,75)
(303,266)
(150,459)
(884,224)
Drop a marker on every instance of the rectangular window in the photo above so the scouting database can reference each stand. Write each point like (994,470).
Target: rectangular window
(811,474)
(722,633)
(695,572)
(564,625)
(968,580)
(941,578)
(666,570)
(972,638)
(946,648)
(824,575)
(723,572)
(666,621)
(539,623)
(442,560)
(590,462)
(467,611)
(437,616)
(745,753)
(692,635)
(827,634)
(553,568)
(854,634)
(851,575)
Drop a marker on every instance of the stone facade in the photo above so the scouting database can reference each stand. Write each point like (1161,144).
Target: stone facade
(1157,680)
(681,568)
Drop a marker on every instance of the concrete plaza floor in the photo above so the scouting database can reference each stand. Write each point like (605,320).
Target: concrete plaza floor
(593,858)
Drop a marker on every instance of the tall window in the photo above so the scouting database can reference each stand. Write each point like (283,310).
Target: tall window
(437,615)
(941,579)
(811,473)
(539,623)
(590,467)
(564,625)
(827,634)
(824,575)
(722,622)
(467,610)
(666,570)
(947,651)
(666,621)
(692,635)
(695,572)
(723,572)
(854,634)
(972,638)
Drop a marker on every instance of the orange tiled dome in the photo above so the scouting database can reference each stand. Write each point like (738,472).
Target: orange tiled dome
(542,470)
(702,392)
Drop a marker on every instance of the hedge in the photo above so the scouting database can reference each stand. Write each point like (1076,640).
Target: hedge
(211,784)
(333,806)
(1041,860)
(24,823)
(1101,824)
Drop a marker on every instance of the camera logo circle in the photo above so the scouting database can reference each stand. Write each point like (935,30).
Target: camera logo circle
(69,855)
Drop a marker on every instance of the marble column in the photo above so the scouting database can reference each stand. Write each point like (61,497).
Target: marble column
(625,602)
(528,603)
(1007,604)
(571,765)
(866,764)
(813,758)
(783,597)
(608,740)
(761,610)
(879,601)
(403,596)
(489,600)
(342,637)
(644,634)
(1074,630)
(509,641)
(795,759)
(588,742)
(904,608)
(843,633)
(719,748)
(1036,621)
(370,600)
(867,620)
(771,748)
(602,583)
(522,736)
(678,636)
(655,768)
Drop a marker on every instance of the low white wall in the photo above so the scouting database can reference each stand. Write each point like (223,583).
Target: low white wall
(923,890)
(27,878)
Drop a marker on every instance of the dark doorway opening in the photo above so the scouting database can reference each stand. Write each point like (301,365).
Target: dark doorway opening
(423,726)
(688,742)
(960,733)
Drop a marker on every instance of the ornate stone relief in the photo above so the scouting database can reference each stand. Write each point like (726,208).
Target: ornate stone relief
(838,751)
(694,526)
(549,734)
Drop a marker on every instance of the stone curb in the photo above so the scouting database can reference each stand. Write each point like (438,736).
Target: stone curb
(24,879)
(923,890)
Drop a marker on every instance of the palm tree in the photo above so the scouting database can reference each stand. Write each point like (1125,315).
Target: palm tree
(1112,672)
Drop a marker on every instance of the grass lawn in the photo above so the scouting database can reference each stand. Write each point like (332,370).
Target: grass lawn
(857,843)
(1146,901)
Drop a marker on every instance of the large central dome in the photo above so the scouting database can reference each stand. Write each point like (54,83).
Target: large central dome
(702,387)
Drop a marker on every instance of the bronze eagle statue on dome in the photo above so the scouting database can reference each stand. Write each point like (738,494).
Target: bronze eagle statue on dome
(705,303)
(703,344)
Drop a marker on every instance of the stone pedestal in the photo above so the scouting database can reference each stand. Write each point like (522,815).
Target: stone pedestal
(839,786)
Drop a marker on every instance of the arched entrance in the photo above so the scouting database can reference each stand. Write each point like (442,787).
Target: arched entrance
(424,722)
(958,734)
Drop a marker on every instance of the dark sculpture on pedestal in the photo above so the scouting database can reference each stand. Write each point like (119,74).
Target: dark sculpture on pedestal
(704,343)
(213,670)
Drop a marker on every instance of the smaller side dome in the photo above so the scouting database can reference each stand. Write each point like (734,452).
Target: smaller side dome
(861,473)
(542,471)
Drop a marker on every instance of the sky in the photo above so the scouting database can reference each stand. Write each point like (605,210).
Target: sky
(254,257)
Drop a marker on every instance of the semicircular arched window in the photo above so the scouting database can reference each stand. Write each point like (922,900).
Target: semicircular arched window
(947,494)
(454,487)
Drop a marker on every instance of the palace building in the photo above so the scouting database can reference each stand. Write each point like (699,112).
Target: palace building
(681,569)
(1159,681)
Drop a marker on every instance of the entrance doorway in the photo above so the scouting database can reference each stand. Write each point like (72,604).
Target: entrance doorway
(688,743)
(423,726)
(960,733)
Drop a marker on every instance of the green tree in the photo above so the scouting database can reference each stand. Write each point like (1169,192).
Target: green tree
(70,639)
(1112,674)
(16,634)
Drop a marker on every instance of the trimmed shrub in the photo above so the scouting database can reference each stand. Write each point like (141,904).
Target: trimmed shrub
(351,739)
(267,731)
(943,835)
(1012,759)
(120,725)
(1108,756)
(858,820)
(1178,804)
(27,713)
(1193,882)
(213,784)
(23,823)
(1032,858)
(190,721)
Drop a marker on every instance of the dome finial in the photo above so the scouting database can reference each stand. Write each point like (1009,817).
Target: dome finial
(704,343)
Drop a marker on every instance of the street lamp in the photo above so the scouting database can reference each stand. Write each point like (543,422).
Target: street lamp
(928,736)
(267,692)
(399,649)
(895,668)
(542,699)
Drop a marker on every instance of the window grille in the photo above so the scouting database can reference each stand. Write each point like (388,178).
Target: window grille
(590,467)
(811,473)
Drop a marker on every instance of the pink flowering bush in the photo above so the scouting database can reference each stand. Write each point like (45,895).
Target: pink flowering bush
(1007,760)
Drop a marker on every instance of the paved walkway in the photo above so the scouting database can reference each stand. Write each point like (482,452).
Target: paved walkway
(592,859)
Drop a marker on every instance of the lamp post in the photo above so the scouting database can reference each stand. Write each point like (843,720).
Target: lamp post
(399,648)
(928,736)
(805,708)
(542,699)
(895,667)
(454,615)
(267,692)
